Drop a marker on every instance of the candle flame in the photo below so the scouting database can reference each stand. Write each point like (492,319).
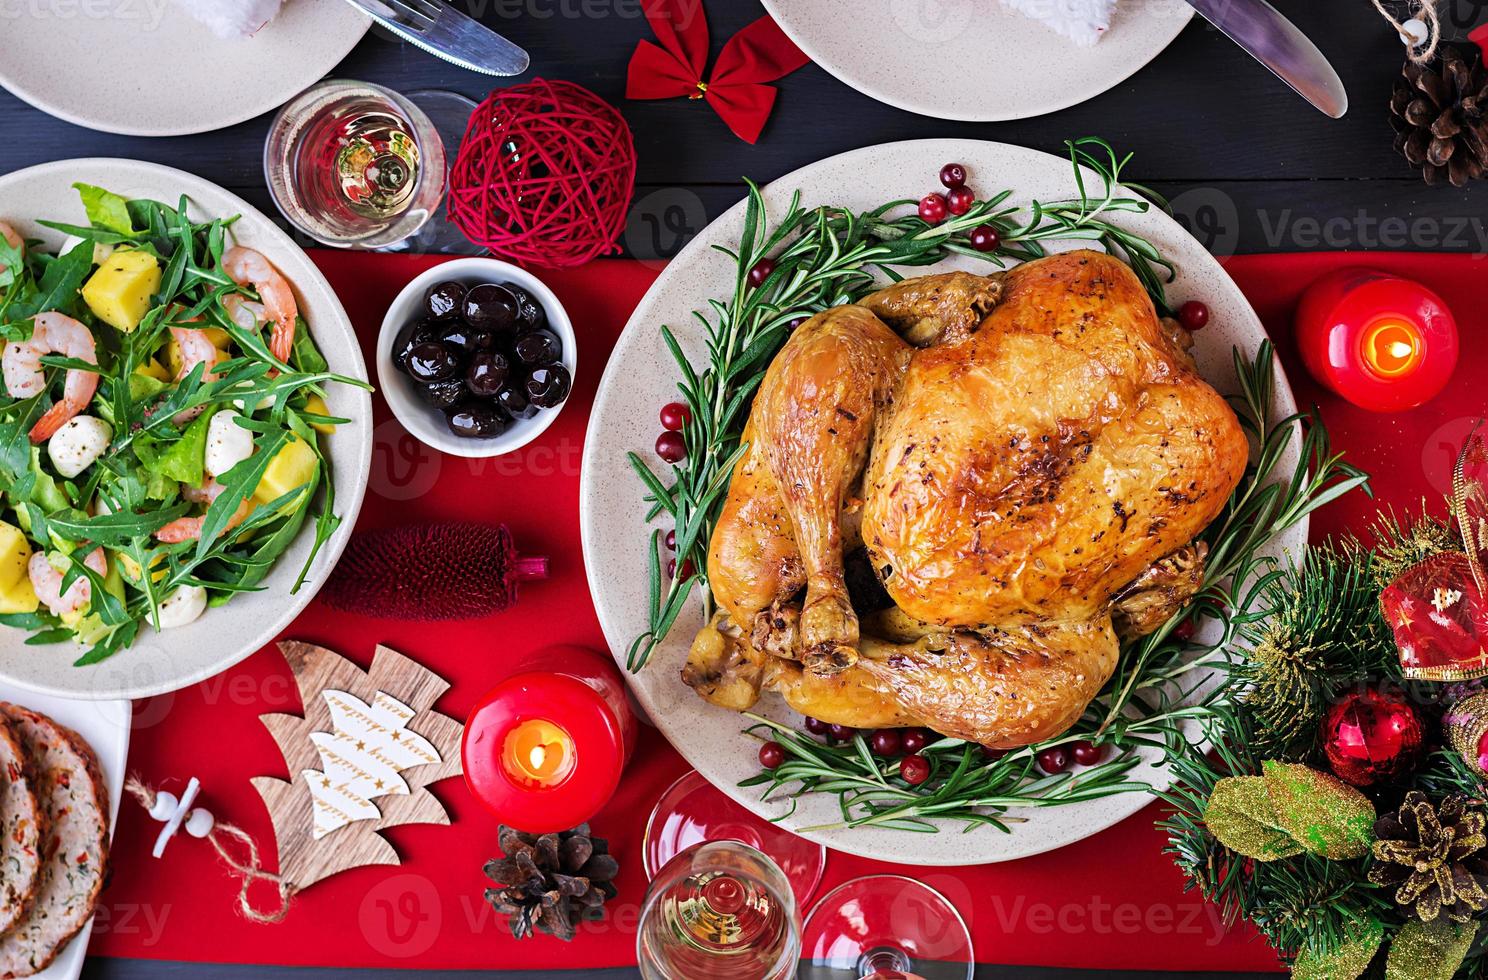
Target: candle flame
(1400,348)
(538,755)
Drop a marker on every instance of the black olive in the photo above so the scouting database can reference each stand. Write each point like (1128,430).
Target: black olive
(530,313)
(538,347)
(443,299)
(490,307)
(514,400)
(442,394)
(487,373)
(472,420)
(548,386)
(432,361)
(467,338)
(414,332)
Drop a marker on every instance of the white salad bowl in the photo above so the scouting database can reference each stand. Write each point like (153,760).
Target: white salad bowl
(426,423)
(159,662)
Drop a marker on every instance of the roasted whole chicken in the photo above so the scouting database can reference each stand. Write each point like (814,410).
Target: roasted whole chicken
(959,496)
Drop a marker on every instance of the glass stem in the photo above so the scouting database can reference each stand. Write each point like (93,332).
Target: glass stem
(885,959)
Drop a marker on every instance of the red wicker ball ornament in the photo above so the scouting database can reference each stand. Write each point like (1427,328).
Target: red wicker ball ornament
(544,175)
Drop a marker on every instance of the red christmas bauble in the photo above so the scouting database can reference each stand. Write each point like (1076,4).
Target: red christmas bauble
(1372,736)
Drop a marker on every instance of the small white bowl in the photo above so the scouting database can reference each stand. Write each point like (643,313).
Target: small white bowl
(426,422)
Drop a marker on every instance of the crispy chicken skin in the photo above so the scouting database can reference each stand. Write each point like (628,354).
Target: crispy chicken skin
(1029,455)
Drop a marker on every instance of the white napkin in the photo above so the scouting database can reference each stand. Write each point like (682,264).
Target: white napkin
(1082,21)
(232,19)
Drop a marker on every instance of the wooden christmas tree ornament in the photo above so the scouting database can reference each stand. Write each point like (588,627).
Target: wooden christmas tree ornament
(360,761)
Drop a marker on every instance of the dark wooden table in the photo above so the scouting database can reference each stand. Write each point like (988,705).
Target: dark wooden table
(1249,166)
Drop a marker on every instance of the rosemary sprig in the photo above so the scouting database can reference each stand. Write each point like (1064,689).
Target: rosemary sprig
(826,257)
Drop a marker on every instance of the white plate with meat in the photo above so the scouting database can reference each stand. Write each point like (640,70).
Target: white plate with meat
(982,60)
(151,68)
(641,375)
(68,779)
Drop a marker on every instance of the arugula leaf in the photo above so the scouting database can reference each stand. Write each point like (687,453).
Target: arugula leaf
(15,440)
(305,355)
(105,209)
(238,485)
(12,262)
(58,289)
(115,530)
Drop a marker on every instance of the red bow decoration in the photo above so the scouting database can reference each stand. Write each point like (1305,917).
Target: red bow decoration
(758,54)
(1438,608)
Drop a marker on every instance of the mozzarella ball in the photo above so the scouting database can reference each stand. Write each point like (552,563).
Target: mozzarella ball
(182,606)
(228,443)
(100,251)
(75,446)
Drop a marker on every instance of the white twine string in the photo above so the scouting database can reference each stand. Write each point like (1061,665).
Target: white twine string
(1426,13)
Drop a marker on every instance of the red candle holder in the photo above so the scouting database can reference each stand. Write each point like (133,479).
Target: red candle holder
(544,749)
(1380,341)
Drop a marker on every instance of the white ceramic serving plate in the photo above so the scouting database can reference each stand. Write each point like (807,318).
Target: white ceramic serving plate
(975,60)
(148,68)
(427,424)
(177,658)
(105,725)
(640,375)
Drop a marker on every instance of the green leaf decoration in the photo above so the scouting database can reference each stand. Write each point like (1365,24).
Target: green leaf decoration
(105,209)
(1347,961)
(1322,813)
(1240,815)
(1429,951)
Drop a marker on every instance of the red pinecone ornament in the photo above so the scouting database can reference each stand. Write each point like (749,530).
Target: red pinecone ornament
(430,572)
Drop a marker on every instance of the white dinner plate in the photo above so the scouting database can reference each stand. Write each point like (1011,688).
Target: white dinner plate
(148,68)
(975,60)
(177,658)
(641,376)
(104,725)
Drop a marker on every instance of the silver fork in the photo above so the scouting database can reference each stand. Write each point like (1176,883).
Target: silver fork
(443,31)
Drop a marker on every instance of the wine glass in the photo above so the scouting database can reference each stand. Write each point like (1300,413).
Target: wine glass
(885,927)
(692,810)
(722,910)
(355,165)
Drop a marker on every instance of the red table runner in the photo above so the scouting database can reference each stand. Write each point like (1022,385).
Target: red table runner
(1112,901)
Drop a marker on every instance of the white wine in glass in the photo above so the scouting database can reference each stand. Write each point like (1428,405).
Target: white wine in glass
(720,910)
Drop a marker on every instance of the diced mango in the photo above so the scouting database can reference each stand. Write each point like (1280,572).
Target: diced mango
(316,405)
(292,466)
(119,292)
(19,598)
(154,369)
(220,339)
(131,568)
(15,553)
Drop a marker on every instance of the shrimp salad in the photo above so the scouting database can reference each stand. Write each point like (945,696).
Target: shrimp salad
(161,424)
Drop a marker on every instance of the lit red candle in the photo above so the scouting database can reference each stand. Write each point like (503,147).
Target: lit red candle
(544,749)
(1383,342)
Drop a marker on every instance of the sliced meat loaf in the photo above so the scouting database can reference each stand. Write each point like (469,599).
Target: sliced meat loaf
(74,849)
(20,829)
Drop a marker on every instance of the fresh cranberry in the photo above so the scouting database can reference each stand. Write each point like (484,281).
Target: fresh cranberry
(1054,760)
(796,322)
(960,200)
(1193,315)
(984,238)
(817,727)
(1088,753)
(1185,630)
(761,271)
(675,416)
(886,741)
(933,209)
(993,754)
(771,755)
(686,569)
(843,733)
(913,740)
(953,175)
(670,447)
(914,769)
(671,540)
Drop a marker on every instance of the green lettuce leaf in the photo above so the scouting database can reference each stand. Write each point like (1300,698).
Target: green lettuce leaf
(180,460)
(105,209)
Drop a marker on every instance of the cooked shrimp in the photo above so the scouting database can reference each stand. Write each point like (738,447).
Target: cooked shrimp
(196,348)
(47,582)
(247,267)
(13,237)
(190,528)
(52,333)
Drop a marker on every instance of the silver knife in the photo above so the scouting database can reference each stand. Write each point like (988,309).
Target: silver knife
(443,31)
(1275,42)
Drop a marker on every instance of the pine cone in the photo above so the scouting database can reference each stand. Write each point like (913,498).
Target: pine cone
(553,882)
(1440,115)
(1437,856)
